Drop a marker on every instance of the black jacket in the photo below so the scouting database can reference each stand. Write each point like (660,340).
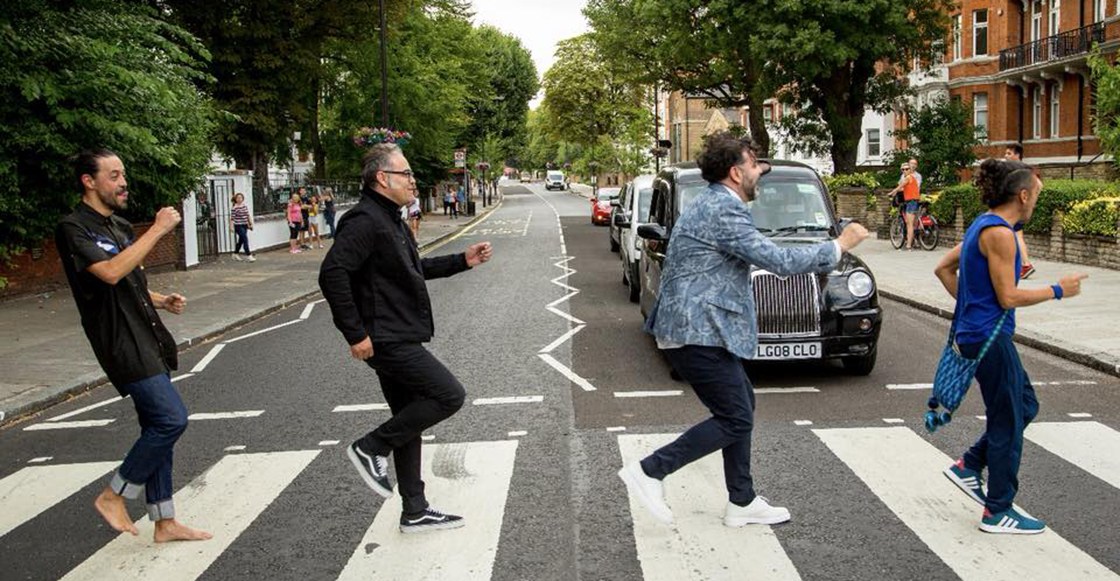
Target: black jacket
(373,276)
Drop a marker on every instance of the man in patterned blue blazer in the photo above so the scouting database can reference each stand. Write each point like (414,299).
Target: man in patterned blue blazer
(704,320)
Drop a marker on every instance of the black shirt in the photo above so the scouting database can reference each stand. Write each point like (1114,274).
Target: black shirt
(122,325)
(373,276)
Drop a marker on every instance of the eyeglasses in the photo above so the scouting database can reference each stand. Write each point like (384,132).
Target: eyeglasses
(406,173)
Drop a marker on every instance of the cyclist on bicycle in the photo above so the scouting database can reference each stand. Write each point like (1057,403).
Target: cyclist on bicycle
(911,193)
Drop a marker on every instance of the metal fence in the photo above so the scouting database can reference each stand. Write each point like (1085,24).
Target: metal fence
(273,199)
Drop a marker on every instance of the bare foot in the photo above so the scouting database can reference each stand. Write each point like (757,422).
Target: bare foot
(170,529)
(113,510)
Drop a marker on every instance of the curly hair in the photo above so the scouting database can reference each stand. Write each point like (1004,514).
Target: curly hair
(721,152)
(1001,180)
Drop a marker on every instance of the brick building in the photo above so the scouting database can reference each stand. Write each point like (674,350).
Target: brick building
(1022,64)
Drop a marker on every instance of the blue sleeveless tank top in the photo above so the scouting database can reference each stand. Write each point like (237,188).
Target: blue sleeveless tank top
(978,308)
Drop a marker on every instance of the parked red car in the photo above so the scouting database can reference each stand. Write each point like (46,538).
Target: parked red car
(601,206)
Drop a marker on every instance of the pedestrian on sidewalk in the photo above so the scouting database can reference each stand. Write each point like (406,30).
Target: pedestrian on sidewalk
(295,223)
(328,210)
(103,258)
(242,223)
(982,274)
(415,214)
(373,280)
(461,201)
(305,222)
(313,221)
(705,325)
(448,202)
(1014,152)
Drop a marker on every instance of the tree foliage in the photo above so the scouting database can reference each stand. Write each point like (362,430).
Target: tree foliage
(942,138)
(1106,117)
(95,74)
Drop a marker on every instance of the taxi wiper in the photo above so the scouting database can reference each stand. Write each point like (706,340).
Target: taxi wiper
(806,228)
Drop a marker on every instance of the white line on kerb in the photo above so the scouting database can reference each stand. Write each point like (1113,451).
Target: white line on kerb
(616,429)
(517,433)
(307,311)
(1080,415)
(85,409)
(659,393)
(894,420)
(564,315)
(68,425)
(571,375)
(40,459)
(787,390)
(226,415)
(802,422)
(234,448)
(328,443)
(427,438)
(361,407)
(262,331)
(559,340)
(209,357)
(505,400)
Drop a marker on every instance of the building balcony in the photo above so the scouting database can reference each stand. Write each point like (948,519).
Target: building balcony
(1059,47)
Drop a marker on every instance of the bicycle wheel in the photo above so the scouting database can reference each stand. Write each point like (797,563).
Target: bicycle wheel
(930,235)
(898,232)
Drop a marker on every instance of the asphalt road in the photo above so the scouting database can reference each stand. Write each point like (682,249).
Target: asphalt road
(530,460)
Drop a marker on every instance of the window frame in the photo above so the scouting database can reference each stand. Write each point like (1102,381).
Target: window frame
(878,141)
(976,37)
(976,112)
(1055,110)
(956,32)
(1036,113)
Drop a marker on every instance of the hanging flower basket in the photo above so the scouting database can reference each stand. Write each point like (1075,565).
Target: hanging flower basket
(370,136)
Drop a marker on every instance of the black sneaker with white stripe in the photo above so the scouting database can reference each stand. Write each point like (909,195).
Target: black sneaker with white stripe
(430,520)
(374,469)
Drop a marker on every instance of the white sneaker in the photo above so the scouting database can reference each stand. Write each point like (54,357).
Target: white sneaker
(758,512)
(237,257)
(649,491)
(251,258)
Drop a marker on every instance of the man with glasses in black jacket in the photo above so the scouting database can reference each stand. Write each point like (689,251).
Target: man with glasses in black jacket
(373,280)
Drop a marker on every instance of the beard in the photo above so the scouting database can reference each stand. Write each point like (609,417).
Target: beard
(749,190)
(113,199)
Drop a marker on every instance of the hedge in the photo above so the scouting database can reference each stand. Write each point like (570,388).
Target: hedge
(1056,195)
(1098,216)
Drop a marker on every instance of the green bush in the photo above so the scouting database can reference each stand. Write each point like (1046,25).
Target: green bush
(851,180)
(1056,195)
(1098,216)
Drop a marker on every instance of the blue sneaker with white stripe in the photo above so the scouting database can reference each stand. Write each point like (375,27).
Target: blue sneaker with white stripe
(967,480)
(1011,522)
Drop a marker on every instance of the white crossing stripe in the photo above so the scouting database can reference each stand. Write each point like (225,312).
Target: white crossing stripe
(1092,446)
(85,409)
(32,490)
(328,442)
(616,429)
(68,425)
(505,400)
(470,479)
(904,471)
(765,390)
(1080,415)
(225,415)
(40,459)
(658,393)
(802,422)
(224,500)
(909,386)
(697,545)
(361,407)
(262,331)
(894,420)
(563,369)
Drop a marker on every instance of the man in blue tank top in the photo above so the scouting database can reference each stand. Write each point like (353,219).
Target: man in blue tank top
(982,273)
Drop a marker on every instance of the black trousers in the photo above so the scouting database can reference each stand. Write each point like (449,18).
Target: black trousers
(421,392)
(719,380)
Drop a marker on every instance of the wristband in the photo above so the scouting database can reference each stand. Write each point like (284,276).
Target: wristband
(1057,288)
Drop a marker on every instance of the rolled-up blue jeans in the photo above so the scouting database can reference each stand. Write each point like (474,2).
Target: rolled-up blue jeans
(163,418)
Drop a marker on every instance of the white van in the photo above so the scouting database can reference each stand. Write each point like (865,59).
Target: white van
(555,180)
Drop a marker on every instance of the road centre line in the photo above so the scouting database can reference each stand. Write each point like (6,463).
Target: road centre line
(68,425)
(559,340)
(509,400)
(226,415)
(209,357)
(361,407)
(528,221)
(563,369)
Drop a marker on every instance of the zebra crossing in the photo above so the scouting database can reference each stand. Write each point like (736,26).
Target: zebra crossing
(897,466)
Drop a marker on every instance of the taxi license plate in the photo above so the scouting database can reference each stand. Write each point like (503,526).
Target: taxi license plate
(789,351)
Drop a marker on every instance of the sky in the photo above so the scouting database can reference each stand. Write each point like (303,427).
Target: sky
(540,24)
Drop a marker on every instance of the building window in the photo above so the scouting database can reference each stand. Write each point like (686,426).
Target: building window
(873,143)
(768,113)
(957,37)
(1055,109)
(1098,10)
(980,114)
(1036,20)
(979,32)
(1036,118)
(1055,17)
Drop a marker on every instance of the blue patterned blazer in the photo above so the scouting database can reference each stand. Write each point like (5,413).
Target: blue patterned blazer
(706,296)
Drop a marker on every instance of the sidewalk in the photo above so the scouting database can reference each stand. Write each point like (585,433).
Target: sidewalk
(1082,329)
(45,356)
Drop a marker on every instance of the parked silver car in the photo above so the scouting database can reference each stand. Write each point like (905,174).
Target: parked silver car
(632,211)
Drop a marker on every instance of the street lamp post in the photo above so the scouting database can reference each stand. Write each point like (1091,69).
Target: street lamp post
(594,167)
(384,67)
(484,167)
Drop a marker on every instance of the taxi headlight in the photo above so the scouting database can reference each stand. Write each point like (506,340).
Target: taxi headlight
(860,284)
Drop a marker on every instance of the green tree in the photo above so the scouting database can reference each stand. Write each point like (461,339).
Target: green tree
(699,47)
(501,109)
(1106,118)
(95,73)
(943,139)
(833,59)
